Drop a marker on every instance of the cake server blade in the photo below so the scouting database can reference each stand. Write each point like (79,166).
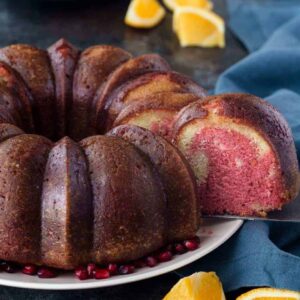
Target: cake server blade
(289,213)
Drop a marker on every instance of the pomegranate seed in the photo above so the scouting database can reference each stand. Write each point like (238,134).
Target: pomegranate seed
(112,269)
(81,273)
(190,244)
(2,265)
(179,248)
(9,268)
(165,256)
(101,274)
(140,263)
(29,270)
(46,273)
(126,269)
(91,268)
(151,261)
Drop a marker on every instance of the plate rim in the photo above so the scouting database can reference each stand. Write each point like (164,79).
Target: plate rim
(195,255)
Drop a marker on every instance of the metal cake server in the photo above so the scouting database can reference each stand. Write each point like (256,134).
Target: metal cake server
(289,213)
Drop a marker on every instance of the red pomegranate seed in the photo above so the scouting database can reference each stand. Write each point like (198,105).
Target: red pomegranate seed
(91,268)
(112,269)
(9,268)
(151,261)
(126,269)
(101,274)
(82,273)
(29,270)
(165,256)
(190,244)
(179,248)
(140,263)
(46,273)
(2,265)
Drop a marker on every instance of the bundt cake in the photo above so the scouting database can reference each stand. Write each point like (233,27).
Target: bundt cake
(242,153)
(70,196)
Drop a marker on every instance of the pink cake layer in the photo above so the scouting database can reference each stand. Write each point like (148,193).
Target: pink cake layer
(240,180)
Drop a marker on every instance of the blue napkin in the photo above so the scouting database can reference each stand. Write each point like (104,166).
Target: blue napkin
(262,253)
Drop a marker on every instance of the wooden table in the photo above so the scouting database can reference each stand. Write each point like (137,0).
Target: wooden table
(85,23)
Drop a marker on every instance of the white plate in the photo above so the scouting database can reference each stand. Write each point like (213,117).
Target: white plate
(213,233)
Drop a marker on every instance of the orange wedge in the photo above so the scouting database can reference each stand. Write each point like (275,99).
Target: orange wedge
(144,13)
(198,27)
(173,4)
(198,286)
(270,294)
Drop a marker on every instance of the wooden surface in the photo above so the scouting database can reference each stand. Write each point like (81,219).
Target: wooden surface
(86,23)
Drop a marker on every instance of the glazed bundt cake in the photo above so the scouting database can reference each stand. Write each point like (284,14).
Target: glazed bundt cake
(70,196)
(242,153)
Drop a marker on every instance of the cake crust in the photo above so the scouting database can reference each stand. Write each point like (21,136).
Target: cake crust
(93,67)
(63,57)
(66,210)
(131,210)
(33,65)
(21,180)
(8,130)
(183,204)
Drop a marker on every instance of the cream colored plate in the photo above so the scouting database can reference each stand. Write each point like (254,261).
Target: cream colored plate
(213,233)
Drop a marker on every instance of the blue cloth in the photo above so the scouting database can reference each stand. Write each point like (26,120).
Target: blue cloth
(262,253)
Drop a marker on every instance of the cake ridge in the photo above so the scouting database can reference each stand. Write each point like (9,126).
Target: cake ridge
(33,65)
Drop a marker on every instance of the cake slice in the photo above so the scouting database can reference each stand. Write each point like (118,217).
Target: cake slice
(93,67)
(242,153)
(183,206)
(155,112)
(149,84)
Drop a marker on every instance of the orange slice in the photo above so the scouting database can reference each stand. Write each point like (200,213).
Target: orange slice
(270,294)
(198,286)
(198,27)
(144,13)
(173,4)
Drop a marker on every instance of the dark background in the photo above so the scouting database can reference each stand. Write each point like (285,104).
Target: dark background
(86,23)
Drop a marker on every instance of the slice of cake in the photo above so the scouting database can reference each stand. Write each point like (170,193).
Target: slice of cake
(242,152)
